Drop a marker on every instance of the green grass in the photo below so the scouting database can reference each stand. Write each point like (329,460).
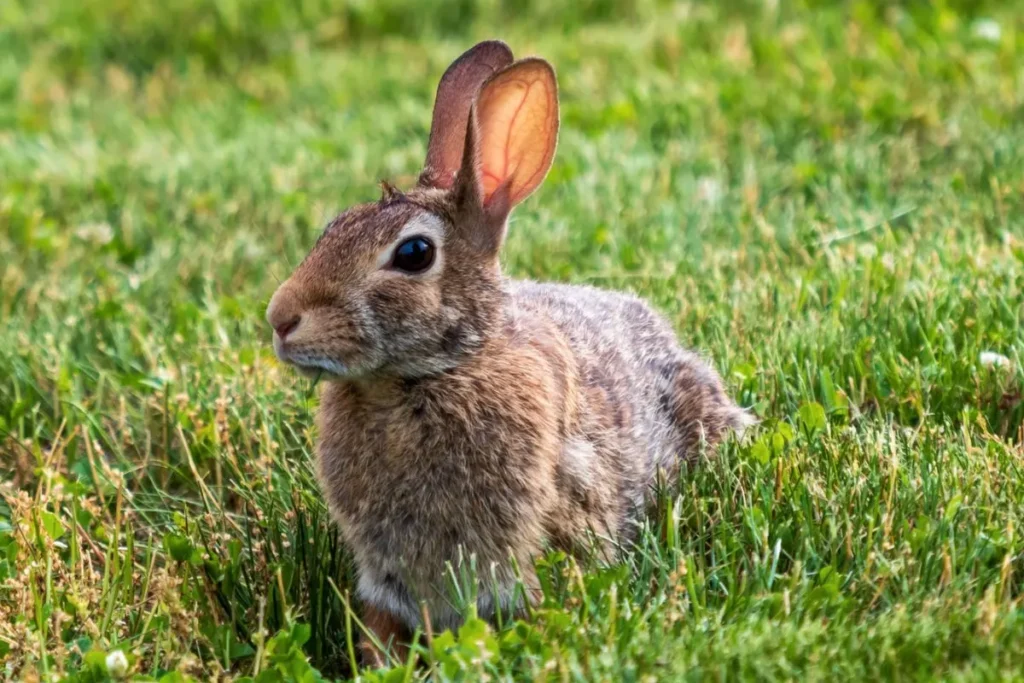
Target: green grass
(825,198)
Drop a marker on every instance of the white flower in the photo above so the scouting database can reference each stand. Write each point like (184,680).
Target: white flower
(991,359)
(988,29)
(117,664)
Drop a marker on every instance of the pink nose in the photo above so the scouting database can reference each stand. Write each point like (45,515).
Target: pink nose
(286,328)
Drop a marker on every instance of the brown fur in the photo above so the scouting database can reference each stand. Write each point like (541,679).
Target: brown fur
(390,634)
(471,414)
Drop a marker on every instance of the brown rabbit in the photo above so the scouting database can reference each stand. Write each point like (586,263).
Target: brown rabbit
(467,412)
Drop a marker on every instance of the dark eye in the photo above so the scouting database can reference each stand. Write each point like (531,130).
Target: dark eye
(414,255)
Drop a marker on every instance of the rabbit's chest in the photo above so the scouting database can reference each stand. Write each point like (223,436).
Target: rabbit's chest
(425,476)
(419,486)
(416,491)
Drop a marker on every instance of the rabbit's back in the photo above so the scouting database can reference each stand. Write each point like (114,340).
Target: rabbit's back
(655,400)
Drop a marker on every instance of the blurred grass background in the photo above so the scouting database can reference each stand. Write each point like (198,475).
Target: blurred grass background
(824,197)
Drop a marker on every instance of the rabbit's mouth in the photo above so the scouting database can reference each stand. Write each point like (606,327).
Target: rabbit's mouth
(311,362)
(315,367)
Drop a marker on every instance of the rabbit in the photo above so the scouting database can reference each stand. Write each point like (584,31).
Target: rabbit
(463,412)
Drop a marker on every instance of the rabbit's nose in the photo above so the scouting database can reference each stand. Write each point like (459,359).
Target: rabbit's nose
(283,313)
(286,328)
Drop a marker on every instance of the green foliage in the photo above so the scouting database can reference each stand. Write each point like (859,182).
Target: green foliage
(825,198)
(285,660)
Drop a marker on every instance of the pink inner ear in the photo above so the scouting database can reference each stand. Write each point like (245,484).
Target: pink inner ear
(518,119)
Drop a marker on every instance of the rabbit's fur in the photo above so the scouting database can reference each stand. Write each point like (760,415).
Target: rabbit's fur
(468,413)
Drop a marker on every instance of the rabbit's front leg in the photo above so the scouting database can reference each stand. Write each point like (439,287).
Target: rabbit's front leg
(388,631)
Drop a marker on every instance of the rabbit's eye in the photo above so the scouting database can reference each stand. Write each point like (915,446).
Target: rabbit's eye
(414,255)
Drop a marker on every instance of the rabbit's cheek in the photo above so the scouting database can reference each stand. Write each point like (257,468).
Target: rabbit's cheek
(406,318)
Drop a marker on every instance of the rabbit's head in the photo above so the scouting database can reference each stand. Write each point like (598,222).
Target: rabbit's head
(410,284)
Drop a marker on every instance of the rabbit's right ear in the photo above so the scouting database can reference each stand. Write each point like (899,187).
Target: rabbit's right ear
(455,95)
(510,144)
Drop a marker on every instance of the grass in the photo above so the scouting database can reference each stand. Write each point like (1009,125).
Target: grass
(825,198)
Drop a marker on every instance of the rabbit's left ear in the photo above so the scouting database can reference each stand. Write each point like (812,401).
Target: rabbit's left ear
(455,95)
(510,141)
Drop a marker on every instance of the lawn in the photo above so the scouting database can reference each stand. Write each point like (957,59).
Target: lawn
(826,199)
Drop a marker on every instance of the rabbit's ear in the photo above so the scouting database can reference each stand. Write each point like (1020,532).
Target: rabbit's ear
(517,119)
(510,143)
(455,94)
